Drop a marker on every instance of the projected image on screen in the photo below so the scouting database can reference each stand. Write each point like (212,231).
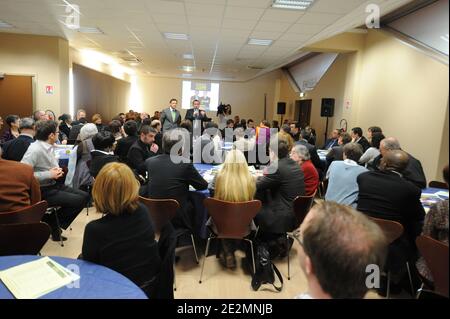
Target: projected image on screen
(206,93)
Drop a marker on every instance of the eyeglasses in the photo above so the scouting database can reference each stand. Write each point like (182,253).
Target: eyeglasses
(297,235)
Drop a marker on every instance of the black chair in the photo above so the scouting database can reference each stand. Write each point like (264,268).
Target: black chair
(23,239)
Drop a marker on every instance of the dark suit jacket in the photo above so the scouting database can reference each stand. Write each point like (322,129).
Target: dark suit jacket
(123,146)
(167,122)
(124,243)
(18,186)
(315,159)
(64,128)
(74,131)
(191,117)
(277,192)
(99,160)
(413,172)
(335,154)
(386,195)
(364,143)
(15,149)
(330,143)
(169,180)
(137,155)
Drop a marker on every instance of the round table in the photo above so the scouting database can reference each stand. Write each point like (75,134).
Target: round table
(96,282)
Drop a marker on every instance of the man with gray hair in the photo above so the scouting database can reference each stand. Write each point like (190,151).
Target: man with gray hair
(15,149)
(413,172)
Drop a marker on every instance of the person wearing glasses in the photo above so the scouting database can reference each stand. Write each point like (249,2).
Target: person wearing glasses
(337,244)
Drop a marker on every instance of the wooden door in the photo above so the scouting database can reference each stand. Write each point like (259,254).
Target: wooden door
(303,109)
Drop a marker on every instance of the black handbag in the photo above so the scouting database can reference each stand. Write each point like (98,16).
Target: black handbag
(265,270)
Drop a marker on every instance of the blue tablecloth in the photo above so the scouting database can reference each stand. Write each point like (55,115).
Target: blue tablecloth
(96,282)
(428,201)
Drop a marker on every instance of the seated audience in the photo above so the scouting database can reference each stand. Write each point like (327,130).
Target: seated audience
(124,144)
(13,122)
(156,124)
(142,149)
(124,238)
(337,243)
(234,172)
(295,131)
(229,129)
(357,137)
(285,134)
(282,182)
(102,154)
(65,125)
(332,141)
(81,114)
(207,148)
(413,172)
(373,151)
(82,178)
(342,175)
(17,190)
(40,155)
(76,128)
(276,125)
(263,133)
(16,148)
(385,194)
(312,135)
(436,227)
(337,152)
(250,124)
(40,115)
(300,155)
(372,130)
(244,143)
(315,159)
(170,176)
(97,120)
(115,127)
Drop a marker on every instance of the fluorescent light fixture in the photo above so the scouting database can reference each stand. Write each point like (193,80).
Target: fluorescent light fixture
(5,25)
(186,75)
(292,4)
(259,42)
(188,68)
(176,36)
(93,30)
(188,56)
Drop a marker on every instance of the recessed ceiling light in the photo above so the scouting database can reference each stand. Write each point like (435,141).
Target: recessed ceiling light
(188,68)
(5,25)
(259,42)
(93,30)
(188,56)
(176,36)
(292,4)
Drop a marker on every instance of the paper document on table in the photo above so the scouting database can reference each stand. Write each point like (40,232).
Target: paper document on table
(36,278)
(442,194)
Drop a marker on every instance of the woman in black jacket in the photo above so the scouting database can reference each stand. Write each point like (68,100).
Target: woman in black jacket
(124,239)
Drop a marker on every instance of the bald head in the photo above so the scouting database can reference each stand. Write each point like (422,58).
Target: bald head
(395,160)
(389,144)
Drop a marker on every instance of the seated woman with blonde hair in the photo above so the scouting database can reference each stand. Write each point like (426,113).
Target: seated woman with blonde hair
(124,238)
(233,183)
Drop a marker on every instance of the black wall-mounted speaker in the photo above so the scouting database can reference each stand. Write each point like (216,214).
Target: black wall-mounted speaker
(281,109)
(327,109)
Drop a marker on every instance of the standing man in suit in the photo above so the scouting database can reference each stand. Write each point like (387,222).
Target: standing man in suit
(14,150)
(357,136)
(170,117)
(197,116)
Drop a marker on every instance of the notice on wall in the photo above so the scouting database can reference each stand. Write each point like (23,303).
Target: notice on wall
(347,105)
(49,89)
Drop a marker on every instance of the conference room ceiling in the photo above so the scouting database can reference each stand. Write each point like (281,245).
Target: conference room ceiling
(218,31)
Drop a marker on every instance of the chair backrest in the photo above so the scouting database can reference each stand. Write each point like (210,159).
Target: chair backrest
(30,214)
(301,206)
(232,220)
(23,239)
(161,210)
(436,184)
(435,254)
(391,229)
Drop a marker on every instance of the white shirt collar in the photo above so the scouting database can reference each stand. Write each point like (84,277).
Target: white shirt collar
(103,152)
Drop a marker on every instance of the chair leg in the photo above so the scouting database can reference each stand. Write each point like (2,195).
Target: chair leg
(203,264)
(174,278)
(195,248)
(288,258)
(410,279)
(419,291)
(253,255)
(388,284)
(61,242)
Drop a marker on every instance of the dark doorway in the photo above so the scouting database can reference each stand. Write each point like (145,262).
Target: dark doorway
(303,112)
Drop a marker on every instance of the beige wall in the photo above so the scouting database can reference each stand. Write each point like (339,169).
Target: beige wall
(43,57)
(246,98)
(391,85)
